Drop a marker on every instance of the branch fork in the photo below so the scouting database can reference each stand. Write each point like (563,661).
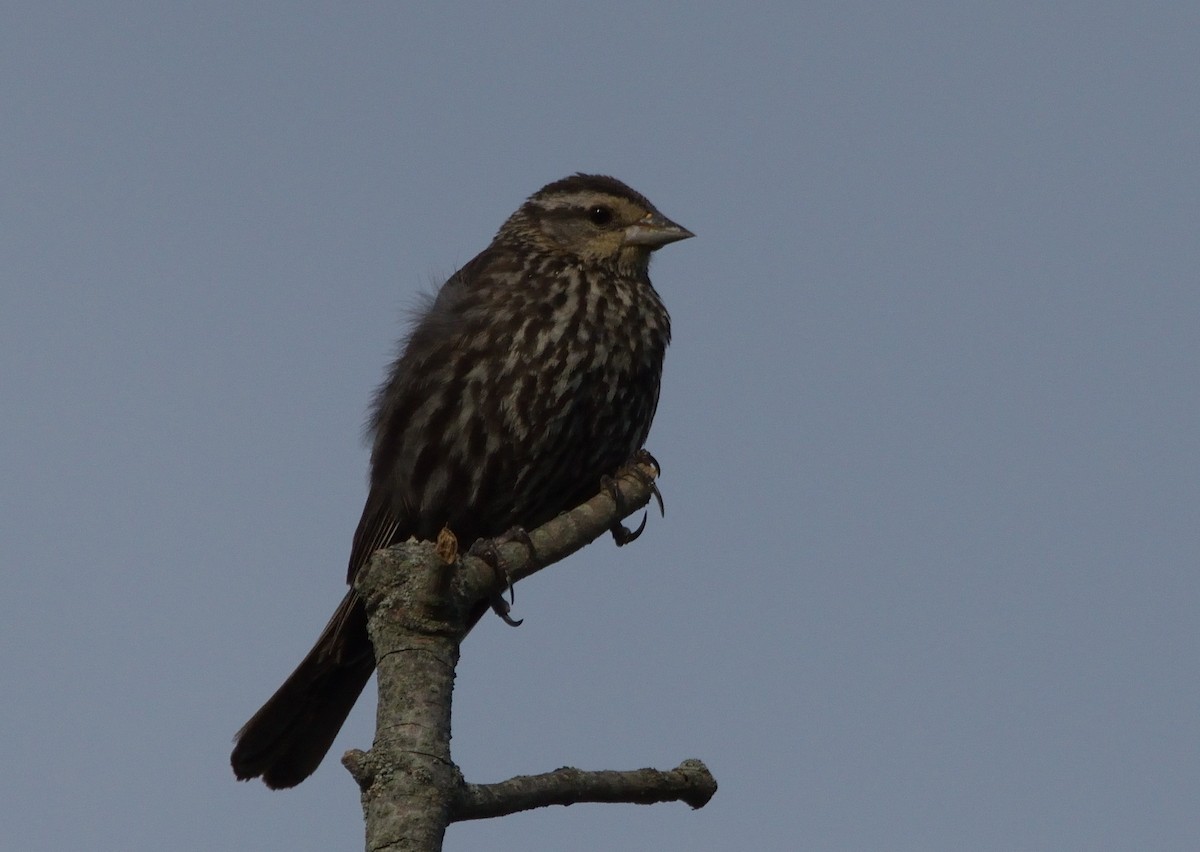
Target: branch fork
(419,596)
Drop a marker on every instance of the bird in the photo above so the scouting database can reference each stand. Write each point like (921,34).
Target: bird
(530,377)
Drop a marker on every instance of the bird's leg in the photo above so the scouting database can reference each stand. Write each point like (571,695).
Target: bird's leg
(621,534)
(488,549)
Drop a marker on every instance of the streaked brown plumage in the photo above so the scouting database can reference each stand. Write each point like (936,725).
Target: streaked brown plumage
(533,374)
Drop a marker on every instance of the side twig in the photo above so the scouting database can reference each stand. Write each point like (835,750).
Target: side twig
(690,782)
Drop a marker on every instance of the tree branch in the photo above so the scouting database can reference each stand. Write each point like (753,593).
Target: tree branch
(419,599)
(571,531)
(690,782)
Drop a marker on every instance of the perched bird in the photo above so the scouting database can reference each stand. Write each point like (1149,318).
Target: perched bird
(532,375)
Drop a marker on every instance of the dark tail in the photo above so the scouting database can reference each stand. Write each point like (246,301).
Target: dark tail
(286,740)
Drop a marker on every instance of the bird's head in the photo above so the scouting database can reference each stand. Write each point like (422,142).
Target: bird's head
(597,219)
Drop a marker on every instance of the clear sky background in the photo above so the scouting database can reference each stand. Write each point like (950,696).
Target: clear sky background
(930,426)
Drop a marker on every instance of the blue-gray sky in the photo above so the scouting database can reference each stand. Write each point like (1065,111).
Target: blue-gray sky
(930,425)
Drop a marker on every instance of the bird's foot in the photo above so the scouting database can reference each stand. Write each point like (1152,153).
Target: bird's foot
(488,549)
(643,456)
(621,534)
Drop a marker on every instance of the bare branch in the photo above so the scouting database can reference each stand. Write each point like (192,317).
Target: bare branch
(559,538)
(418,609)
(690,782)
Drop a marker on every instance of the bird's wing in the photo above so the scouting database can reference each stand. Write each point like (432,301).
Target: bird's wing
(378,527)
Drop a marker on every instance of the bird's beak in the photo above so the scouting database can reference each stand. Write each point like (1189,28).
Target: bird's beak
(655,230)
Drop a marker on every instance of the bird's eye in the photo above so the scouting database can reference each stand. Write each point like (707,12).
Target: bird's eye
(599,215)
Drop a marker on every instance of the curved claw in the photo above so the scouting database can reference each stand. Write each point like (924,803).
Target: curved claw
(643,455)
(622,535)
(500,607)
(662,510)
(508,586)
